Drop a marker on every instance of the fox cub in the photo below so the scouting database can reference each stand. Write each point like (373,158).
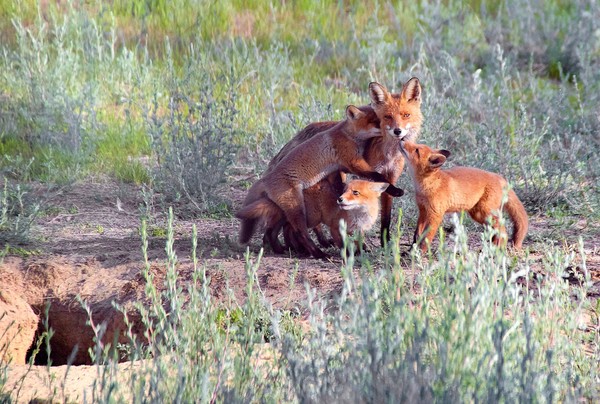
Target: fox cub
(358,207)
(458,189)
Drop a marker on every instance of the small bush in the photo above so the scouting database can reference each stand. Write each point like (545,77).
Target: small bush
(17,212)
(193,135)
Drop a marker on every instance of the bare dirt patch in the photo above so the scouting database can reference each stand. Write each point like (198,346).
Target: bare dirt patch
(87,246)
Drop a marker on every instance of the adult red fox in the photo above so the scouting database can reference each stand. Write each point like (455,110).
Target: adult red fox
(358,206)
(337,148)
(400,118)
(459,189)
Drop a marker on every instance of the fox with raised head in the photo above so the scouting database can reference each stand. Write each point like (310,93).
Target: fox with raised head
(336,149)
(459,189)
(400,118)
(358,206)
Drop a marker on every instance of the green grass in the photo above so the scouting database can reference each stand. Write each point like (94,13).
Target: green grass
(122,156)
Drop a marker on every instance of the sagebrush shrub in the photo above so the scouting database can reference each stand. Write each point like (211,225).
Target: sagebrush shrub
(17,212)
(192,131)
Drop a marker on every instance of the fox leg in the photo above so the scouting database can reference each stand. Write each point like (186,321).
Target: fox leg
(337,236)
(386,218)
(323,240)
(271,237)
(426,230)
(304,240)
(292,203)
(481,216)
(291,242)
(499,239)
(360,243)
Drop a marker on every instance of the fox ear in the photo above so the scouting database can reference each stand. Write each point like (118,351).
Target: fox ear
(436,160)
(412,90)
(378,187)
(446,153)
(378,93)
(353,113)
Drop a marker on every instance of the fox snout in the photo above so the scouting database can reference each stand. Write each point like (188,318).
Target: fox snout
(402,133)
(343,204)
(396,131)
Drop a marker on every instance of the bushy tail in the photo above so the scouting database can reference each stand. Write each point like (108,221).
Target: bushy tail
(261,210)
(249,223)
(247,230)
(518,215)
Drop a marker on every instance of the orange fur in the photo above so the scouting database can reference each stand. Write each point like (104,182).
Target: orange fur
(337,148)
(400,118)
(459,189)
(358,206)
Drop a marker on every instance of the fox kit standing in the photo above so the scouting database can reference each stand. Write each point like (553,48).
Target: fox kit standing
(459,189)
(334,149)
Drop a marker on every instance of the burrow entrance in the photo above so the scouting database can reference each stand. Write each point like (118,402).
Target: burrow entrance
(72,335)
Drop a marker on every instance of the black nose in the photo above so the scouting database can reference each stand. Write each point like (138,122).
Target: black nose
(397,131)
(340,200)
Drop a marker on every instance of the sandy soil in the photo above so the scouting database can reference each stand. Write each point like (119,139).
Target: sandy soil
(87,244)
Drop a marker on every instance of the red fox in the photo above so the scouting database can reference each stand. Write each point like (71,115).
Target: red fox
(459,189)
(266,211)
(400,118)
(334,149)
(358,206)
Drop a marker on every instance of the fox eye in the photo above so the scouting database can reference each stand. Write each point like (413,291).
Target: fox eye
(417,151)
(389,117)
(355,193)
(406,116)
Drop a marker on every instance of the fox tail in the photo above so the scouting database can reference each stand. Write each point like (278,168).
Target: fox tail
(518,215)
(261,210)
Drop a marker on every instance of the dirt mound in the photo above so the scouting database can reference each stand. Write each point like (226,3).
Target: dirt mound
(18,324)
(47,287)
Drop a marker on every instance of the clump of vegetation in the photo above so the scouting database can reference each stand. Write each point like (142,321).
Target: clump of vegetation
(193,135)
(17,212)
(122,89)
(467,326)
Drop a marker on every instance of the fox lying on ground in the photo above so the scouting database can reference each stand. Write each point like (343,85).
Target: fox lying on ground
(400,117)
(459,189)
(334,149)
(358,206)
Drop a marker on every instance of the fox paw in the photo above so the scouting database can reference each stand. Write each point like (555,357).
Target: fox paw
(393,191)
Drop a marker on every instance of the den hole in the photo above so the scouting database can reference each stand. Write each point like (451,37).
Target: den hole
(72,336)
